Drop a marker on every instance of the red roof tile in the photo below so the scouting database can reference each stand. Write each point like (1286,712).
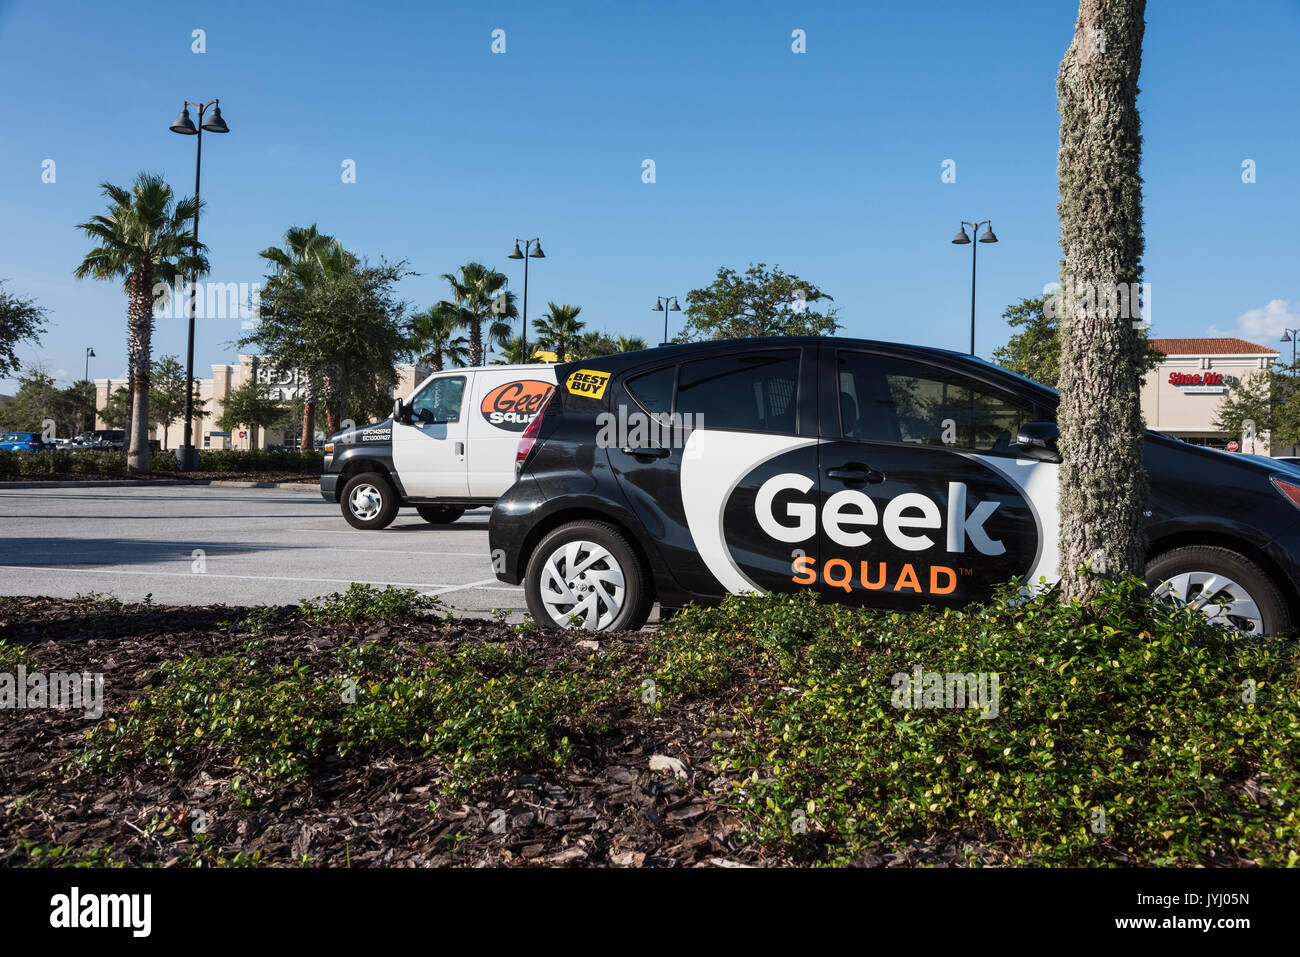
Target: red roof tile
(1210,347)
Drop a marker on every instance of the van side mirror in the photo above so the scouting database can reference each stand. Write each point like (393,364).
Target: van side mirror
(401,412)
(1037,440)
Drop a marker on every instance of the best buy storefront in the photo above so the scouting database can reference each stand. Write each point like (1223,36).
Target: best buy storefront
(1183,394)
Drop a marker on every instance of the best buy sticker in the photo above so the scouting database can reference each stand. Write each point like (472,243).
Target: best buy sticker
(587,383)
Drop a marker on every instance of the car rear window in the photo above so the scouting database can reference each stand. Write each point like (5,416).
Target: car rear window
(654,391)
(752,391)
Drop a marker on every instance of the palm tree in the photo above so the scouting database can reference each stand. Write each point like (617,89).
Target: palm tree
(144,240)
(434,339)
(512,352)
(480,292)
(630,343)
(307,255)
(559,328)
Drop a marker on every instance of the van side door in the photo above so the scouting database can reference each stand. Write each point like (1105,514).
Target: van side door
(503,404)
(429,453)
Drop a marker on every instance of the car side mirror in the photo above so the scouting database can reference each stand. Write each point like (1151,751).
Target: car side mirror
(401,412)
(1037,440)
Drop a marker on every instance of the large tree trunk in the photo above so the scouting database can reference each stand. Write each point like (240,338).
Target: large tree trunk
(1103,486)
(139,456)
(333,398)
(309,412)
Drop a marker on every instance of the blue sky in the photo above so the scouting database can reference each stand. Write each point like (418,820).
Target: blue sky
(827,163)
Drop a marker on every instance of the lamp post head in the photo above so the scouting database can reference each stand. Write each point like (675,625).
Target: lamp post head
(674,307)
(961,239)
(659,305)
(90,353)
(183,123)
(988,236)
(1286,336)
(537,251)
(516,253)
(214,123)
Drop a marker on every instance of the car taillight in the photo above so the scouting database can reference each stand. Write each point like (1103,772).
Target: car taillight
(529,437)
(1289,491)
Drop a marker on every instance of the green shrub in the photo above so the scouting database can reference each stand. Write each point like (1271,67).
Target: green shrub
(366,603)
(274,459)
(10,462)
(1121,733)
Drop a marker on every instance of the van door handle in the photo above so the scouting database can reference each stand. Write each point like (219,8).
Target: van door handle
(460,448)
(647,452)
(856,473)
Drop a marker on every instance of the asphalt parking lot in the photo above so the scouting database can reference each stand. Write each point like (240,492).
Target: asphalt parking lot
(199,545)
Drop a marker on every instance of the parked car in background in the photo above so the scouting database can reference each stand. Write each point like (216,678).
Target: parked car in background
(21,442)
(100,439)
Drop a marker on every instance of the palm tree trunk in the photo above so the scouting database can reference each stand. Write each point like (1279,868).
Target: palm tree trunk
(309,412)
(1103,487)
(140,325)
(476,342)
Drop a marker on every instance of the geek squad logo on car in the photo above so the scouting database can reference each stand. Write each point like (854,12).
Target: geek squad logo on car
(943,536)
(513,405)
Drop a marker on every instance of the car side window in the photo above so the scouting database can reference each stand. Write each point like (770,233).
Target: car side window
(751,391)
(653,391)
(886,399)
(439,401)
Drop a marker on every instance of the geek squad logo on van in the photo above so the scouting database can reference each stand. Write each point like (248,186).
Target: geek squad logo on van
(513,405)
(939,535)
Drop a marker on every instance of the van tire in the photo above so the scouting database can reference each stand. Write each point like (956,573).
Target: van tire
(545,579)
(1197,561)
(376,501)
(439,514)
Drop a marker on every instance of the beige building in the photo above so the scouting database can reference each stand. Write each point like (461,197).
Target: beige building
(1183,394)
(286,385)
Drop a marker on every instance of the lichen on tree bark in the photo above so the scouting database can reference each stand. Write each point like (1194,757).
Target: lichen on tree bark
(1103,486)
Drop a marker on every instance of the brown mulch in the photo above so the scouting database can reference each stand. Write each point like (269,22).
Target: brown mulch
(607,808)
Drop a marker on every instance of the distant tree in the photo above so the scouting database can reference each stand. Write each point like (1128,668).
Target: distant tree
(77,407)
(36,403)
(629,344)
(762,302)
(558,329)
(592,344)
(252,405)
(144,240)
(433,336)
(167,395)
(116,408)
(512,352)
(20,320)
(1264,401)
(487,306)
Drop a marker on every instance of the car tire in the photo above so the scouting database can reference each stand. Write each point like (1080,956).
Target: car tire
(1183,574)
(609,592)
(369,501)
(439,514)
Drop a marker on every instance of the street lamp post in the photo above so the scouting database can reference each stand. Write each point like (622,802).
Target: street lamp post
(661,305)
(185,456)
(533,252)
(961,239)
(90,354)
(1290,335)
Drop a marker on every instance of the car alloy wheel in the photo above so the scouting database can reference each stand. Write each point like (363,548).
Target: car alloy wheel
(366,501)
(1217,597)
(583,580)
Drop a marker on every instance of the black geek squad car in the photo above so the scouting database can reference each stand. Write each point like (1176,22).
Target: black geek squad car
(874,473)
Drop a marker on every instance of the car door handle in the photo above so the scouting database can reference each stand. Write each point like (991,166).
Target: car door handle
(855,473)
(460,448)
(647,452)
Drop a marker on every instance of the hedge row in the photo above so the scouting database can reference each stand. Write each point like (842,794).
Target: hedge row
(111,461)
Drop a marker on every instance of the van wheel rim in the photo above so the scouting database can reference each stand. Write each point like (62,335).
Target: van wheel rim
(365,502)
(1220,599)
(582,580)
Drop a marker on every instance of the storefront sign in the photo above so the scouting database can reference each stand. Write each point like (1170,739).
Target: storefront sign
(1192,383)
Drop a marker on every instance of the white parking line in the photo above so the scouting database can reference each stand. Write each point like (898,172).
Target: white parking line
(439,589)
(260,546)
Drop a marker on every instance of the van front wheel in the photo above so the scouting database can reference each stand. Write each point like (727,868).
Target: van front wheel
(439,514)
(586,575)
(369,501)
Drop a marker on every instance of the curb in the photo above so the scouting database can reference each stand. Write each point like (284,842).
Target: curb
(150,483)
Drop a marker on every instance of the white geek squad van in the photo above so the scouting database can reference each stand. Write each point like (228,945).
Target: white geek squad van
(448,446)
